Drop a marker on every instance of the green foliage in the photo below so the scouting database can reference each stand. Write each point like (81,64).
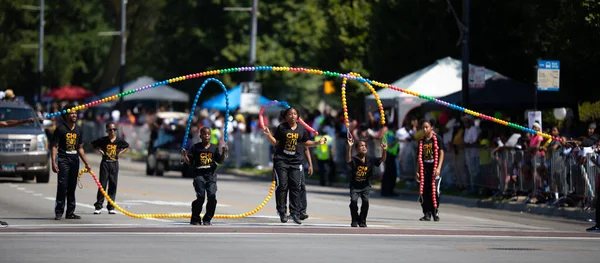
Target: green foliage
(589,111)
(382,40)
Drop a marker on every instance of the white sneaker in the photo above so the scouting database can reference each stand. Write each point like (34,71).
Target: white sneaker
(97,212)
(111,212)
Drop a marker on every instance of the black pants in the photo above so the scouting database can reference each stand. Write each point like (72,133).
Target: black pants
(205,186)
(388,182)
(289,179)
(597,203)
(303,203)
(364,207)
(109,175)
(68,169)
(427,201)
(331,175)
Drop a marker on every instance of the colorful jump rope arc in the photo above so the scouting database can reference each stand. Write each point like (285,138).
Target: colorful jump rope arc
(283,104)
(307,71)
(179,215)
(193,110)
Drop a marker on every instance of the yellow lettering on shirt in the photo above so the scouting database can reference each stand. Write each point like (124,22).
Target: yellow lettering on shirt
(70,141)
(291,141)
(361,172)
(111,151)
(206,158)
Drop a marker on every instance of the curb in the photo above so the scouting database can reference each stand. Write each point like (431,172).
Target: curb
(543,210)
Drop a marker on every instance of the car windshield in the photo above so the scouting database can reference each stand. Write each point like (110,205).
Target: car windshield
(17,114)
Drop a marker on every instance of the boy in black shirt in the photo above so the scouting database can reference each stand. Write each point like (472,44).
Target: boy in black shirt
(111,149)
(430,159)
(361,167)
(67,148)
(205,157)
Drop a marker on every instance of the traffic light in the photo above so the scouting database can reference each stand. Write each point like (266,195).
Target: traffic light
(328,87)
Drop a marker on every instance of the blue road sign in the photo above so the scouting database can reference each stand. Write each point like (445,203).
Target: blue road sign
(548,75)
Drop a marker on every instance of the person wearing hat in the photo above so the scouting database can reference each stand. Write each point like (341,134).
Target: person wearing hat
(9,95)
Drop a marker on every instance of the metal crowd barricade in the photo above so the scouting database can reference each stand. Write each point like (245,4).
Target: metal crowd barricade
(138,137)
(249,149)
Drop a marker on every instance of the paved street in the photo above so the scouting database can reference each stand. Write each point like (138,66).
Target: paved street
(465,234)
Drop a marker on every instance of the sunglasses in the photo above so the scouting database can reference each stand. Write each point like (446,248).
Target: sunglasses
(112,129)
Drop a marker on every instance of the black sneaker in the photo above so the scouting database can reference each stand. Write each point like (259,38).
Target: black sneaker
(425,218)
(207,223)
(354,224)
(195,223)
(436,218)
(3,224)
(304,216)
(296,219)
(595,229)
(284,218)
(72,216)
(57,217)
(362,224)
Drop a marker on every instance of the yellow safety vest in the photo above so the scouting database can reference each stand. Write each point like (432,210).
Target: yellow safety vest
(322,151)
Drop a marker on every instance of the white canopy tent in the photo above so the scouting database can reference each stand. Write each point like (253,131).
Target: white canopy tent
(160,93)
(437,80)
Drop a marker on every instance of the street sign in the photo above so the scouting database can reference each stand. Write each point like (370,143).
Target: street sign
(250,97)
(548,75)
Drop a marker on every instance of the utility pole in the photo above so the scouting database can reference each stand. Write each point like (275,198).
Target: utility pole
(41,51)
(123,47)
(253,39)
(465,53)
(39,46)
(253,32)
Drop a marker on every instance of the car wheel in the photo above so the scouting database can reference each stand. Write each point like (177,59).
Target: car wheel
(27,177)
(42,177)
(160,168)
(150,164)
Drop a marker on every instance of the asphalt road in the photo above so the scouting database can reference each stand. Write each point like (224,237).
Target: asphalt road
(394,232)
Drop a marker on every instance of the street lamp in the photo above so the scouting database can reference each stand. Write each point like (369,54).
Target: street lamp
(253,30)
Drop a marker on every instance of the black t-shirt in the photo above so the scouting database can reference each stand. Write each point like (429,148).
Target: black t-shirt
(428,149)
(204,159)
(362,171)
(111,149)
(68,140)
(287,149)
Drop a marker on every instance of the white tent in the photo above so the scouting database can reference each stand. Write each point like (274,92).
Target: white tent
(159,93)
(439,79)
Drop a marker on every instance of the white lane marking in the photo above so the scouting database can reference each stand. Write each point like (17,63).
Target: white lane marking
(92,207)
(235,234)
(21,188)
(159,202)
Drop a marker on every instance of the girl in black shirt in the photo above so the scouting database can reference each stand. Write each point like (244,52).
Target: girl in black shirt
(287,162)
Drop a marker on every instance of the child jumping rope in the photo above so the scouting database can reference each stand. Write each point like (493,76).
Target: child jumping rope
(204,158)
(361,167)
